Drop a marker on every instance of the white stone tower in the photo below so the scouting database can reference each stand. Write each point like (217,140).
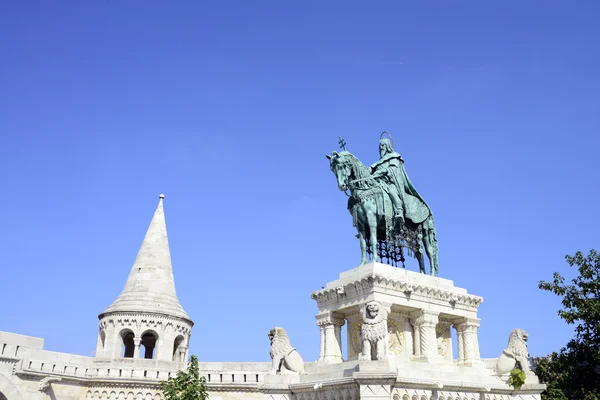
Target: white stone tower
(147,320)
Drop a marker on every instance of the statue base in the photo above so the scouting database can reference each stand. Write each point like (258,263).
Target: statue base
(421,311)
(408,319)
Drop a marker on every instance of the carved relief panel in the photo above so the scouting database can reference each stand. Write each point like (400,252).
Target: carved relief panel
(443,333)
(354,326)
(399,334)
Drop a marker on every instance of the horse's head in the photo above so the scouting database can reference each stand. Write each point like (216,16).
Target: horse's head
(341,165)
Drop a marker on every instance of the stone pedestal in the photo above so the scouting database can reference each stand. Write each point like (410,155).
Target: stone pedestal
(420,313)
(375,379)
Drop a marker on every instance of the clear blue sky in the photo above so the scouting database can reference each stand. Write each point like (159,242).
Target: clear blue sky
(229,107)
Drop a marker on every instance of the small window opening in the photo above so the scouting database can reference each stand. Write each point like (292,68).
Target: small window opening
(209,377)
(53,367)
(157,374)
(65,370)
(75,370)
(256,377)
(120,372)
(30,364)
(102,338)
(145,373)
(244,377)
(149,340)
(221,378)
(176,349)
(128,345)
(42,367)
(3,348)
(108,372)
(17,352)
(232,378)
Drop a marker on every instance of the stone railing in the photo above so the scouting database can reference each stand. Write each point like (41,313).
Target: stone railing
(242,372)
(15,345)
(54,363)
(66,365)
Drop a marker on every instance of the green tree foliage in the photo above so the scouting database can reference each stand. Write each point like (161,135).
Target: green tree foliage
(517,378)
(574,372)
(186,385)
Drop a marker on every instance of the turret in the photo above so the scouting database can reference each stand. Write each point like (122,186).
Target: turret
(147,319)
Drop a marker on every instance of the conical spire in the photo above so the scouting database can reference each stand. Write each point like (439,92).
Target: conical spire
(150,287)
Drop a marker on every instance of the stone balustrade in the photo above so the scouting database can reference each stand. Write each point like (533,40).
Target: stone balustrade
(64,365)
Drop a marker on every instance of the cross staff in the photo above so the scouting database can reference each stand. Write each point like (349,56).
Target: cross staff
(342,143)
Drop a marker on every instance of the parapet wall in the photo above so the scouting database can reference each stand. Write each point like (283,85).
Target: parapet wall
(38,372)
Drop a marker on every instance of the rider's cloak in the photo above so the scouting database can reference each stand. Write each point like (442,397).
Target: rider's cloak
(415,208)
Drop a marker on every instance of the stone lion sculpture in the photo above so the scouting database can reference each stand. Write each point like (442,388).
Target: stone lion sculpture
(516,351)
(285,357)
(374,332)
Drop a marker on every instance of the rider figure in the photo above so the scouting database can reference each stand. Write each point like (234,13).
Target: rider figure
(385,171)
(389,171)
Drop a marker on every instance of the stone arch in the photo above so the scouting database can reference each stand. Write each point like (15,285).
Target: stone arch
(149,344)
(8,390)
(128,344)
(103,339)
(179,341)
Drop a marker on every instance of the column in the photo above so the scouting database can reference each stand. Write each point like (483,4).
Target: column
(181,354)
(461,344)
(460,338)
(425,322)
(468,342)
(186,353)
(322,344)
(136,350)
(331,338)
(337,331)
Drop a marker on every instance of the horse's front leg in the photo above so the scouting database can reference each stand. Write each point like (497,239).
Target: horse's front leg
(372,220)
(431,249)
(421,259)
(363,246)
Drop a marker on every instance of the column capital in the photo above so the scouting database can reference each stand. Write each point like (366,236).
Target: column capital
(137,341)
(424,317)
(330,319)
(444,324)
(467,324)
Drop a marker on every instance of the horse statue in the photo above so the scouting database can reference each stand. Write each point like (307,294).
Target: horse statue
(380,213)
